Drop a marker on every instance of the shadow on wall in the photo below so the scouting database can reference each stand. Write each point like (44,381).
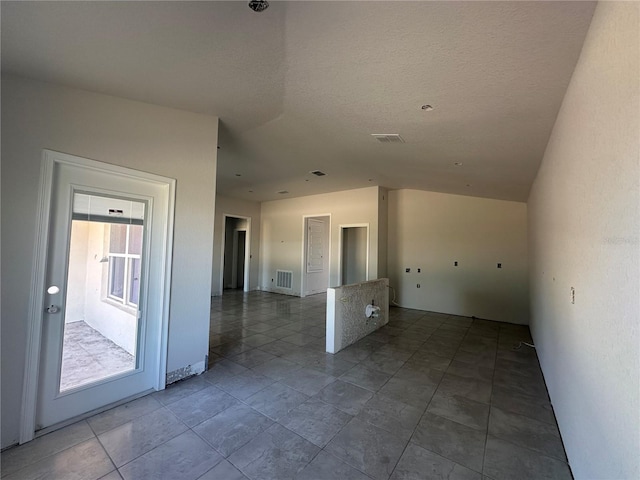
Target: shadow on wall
(484,303)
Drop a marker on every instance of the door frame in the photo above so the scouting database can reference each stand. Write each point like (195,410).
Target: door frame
(341,243)
(247,250)
(303,267)
(37,297)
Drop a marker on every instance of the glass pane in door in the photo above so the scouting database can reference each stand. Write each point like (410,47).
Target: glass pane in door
(103,289)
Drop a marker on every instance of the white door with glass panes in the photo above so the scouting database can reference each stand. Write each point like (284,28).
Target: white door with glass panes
(102,324)
(316,274)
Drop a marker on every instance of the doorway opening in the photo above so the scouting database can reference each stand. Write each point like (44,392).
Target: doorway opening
(316,254)
(236,253)
(354,257)
(239,247)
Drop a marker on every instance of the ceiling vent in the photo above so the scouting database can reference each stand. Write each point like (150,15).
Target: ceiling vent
(388,137)
(318,173)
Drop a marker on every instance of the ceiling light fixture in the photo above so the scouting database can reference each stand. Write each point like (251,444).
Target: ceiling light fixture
(258,5)
(458,164)
(427,108)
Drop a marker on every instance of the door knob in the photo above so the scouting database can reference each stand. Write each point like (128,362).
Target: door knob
(52,309)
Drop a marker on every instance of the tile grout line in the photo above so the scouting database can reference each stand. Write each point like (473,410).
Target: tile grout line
(357,363)
(425,409)
(486,438)
(51,454)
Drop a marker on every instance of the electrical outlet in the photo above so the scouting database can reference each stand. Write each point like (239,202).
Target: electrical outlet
(455,264)
(499,265)
(407,270)
(418,286)
(573,296)
(418,270)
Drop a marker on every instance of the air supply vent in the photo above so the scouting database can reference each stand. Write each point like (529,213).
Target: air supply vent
(283,279)
(318,173)
(388,137)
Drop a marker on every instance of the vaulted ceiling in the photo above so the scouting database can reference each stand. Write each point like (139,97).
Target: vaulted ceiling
(303,85)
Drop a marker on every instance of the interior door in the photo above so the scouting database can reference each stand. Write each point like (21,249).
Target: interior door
(315,246)
(102,325)
(316,272)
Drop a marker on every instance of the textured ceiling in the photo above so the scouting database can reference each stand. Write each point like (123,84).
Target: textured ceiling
(302,85)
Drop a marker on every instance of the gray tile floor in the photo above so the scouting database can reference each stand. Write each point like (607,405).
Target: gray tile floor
(428,396)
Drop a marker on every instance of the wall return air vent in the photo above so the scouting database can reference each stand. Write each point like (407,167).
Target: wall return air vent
(388,137)
(283,279)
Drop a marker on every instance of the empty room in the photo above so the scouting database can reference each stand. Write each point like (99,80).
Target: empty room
(320,240)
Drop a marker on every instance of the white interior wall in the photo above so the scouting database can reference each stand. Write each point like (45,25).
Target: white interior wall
(584,222)
(281,232)
(431,231)
(117,323)
(77,274)
(164,141)
(232,206)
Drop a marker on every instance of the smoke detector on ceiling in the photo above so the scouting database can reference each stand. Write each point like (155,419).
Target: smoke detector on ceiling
(388,137)
(258,5)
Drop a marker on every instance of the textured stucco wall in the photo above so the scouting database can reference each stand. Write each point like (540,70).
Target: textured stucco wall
(347,321)
(584,225)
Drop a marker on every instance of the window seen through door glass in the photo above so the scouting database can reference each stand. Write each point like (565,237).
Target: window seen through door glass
(118,239)
(125,248)
(135,239)
(116,275)
(134,286)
